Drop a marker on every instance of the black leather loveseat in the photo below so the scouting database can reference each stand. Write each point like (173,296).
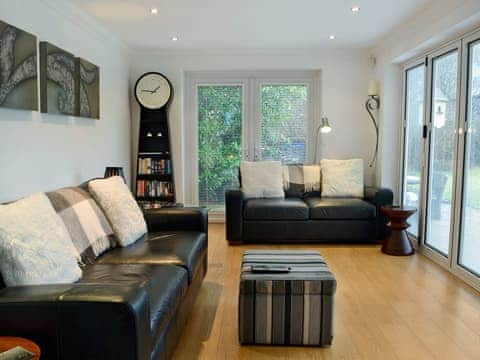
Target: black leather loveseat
(131,304)
(308,219)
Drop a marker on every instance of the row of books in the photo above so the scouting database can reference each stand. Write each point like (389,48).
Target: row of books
(148,166)
(154,204)
(154,188)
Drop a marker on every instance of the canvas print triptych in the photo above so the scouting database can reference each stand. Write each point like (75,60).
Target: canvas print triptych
(69,85)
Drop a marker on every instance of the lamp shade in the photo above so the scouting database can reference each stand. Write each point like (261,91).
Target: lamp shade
(373,88)
(114,171)
(325,128)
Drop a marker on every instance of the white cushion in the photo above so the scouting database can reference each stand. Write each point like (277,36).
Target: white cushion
(121,209)
(262,179)
(35,247)
(342,178)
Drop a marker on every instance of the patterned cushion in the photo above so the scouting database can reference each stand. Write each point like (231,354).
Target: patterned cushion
(301,180)
(35,247)
(88,227)
(121,209)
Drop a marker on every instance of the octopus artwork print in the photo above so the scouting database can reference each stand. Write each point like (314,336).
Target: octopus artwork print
(57,80)
(88,89)
(18,68)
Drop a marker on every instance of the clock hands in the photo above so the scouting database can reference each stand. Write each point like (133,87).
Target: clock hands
(152,91)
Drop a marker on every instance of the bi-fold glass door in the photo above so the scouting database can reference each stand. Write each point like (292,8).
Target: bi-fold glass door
(441,154)
(443,104)
(467,248)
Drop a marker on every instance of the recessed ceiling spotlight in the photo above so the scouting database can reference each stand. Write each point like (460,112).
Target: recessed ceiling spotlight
(174,38)
(154,11)
(332,37)
(355,9)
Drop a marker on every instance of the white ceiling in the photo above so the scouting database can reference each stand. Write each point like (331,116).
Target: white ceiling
(212,24)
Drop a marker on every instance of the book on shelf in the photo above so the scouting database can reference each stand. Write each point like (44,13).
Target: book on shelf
(155,204)
(154,188)
(152,166)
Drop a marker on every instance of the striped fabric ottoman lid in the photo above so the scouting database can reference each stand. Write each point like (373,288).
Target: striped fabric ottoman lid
(294,308)
(306,265)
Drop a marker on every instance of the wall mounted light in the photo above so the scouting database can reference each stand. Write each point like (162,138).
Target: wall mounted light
(373,104)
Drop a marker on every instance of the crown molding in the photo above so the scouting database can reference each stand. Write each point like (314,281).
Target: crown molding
(85,21)
(248,51)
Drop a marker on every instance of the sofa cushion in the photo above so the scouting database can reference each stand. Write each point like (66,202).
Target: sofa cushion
(87,225)
(340,209)
(275,209)
(121,209)
(262,179)
(35,247)
(166,286)
(184,249)
(301,180)
(342,178)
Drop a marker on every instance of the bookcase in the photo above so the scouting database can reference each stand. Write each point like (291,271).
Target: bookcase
(155,186)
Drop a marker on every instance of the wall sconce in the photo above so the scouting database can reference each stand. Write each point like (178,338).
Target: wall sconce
(372,104)
(324,128)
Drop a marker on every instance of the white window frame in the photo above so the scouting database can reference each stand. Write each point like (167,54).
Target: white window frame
(251,126)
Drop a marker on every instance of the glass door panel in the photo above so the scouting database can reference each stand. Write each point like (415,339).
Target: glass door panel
(220,119)
(284,112)
(442,151)
(469,254)
(413,141)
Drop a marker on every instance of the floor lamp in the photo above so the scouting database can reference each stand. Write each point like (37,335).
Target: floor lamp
(324,128)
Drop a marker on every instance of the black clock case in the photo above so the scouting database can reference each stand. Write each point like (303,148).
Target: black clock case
(156,148)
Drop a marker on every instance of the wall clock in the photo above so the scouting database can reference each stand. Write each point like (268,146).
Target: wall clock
(153,91)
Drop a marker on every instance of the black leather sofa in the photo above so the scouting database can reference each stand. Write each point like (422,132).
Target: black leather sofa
(306,220)
(131,304)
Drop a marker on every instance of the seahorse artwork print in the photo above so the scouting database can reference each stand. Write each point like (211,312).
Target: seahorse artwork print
(18,68)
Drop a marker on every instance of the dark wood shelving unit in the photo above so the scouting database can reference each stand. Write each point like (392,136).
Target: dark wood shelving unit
(155,185)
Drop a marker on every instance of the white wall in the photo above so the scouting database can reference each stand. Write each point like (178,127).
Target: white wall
(39,152)
(344,81)
(440,21)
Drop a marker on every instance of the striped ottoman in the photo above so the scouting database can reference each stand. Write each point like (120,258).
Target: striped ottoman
(294,308)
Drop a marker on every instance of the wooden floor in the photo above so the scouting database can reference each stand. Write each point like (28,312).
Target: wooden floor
(386,308)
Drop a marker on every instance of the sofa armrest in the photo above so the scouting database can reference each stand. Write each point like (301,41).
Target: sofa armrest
(94,321)
(380,197)
(171,219)
(234,200)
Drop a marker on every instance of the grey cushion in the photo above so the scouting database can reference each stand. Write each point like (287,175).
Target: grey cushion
(275,209)
(340,209)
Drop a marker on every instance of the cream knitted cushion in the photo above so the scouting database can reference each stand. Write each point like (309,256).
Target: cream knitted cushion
(35,247)
(342,178)
(121,209)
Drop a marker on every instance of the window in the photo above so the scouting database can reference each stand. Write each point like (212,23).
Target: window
(284,122)
(234,116)
(219,141)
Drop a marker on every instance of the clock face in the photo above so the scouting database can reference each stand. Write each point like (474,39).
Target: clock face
(153,91)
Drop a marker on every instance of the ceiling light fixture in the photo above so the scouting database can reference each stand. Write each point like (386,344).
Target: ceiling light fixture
(355,9)
(154,11)
(174,38)
(332,37)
